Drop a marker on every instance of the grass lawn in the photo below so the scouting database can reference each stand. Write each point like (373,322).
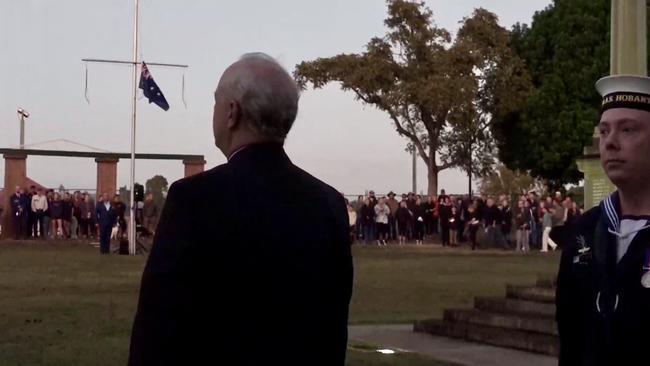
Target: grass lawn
(63,304)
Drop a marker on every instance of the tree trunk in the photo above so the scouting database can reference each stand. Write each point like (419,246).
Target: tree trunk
(432,175)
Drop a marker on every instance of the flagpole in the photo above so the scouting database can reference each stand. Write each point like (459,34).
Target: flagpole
(131,227)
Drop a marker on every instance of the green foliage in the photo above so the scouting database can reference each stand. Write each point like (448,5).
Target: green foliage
(439,94)
(508,182)
(566,50)
(157,185)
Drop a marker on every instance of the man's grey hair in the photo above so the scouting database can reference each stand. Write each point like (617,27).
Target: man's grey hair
(268,104)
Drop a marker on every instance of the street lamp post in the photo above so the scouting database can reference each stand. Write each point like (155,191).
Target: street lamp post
(23,114)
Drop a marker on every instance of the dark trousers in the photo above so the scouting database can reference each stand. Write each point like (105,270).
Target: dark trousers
(445,235)
(419,230)
(428,225)
(473,229)
(105,239)
(461,230)
(39,222)
(434,225)
(19,226)
(367,232)
(392,225)
(33,227)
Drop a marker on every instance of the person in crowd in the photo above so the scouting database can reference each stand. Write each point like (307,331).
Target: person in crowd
(68,208)
(56,216)
(382,211)
(463,216)
(19,203)
(372,233)
(428,216)
(76,216)
(548,203)
(87,212)
(32,219)
(358,208)
(506,221)
(547,224)
(493,221)
(373,199)
(367,220)
(392,222)
(39,206)
(568,211)
(418,222)
(106,219)
(535,222)
(48,224)
(522,221)
(149,214)
(454,219)
(480,207)
(83,216)
(474,224)
(432,215)
(442,198)
(576,212)
(120,212)
(352,220)
(445,214)
(403,216)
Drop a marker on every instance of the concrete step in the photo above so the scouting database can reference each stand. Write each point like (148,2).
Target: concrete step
(527,322)
(502,337)
(531,293)
(514,306)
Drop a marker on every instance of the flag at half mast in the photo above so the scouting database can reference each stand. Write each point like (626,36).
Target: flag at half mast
(151,90)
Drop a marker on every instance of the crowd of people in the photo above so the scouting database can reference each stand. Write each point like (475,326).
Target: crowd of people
(459,219)
(38,213)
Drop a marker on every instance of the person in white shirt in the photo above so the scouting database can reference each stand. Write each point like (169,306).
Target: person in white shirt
(39,206)
(352,219)
(381,218)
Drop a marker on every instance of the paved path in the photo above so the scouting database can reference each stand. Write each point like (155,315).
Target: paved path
(402,337)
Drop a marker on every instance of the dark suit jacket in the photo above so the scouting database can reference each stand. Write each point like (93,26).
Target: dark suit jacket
(251,263)
(105,218)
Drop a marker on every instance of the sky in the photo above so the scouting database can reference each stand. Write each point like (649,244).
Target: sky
(335,138)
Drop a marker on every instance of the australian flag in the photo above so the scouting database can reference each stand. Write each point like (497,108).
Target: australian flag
(151,90)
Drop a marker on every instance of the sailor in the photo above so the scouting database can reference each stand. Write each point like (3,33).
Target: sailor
(603,286)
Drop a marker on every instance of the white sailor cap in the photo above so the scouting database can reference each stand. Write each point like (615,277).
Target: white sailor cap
(624,91)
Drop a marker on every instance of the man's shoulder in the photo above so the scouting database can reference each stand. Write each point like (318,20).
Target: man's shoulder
(316,184)
(196,183)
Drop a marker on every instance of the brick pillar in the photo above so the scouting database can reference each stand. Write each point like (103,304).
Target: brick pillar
(15,175)
(106,176)
(193,167)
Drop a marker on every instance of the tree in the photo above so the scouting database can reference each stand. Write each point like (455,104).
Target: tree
(566,49)
(431,88)
(157,185)
(505,181)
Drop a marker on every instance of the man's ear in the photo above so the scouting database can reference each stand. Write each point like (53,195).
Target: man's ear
(234,115)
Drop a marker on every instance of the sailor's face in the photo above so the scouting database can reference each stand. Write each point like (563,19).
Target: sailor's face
(625,145)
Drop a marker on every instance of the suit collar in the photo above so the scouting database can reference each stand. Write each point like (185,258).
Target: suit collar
(261,152)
